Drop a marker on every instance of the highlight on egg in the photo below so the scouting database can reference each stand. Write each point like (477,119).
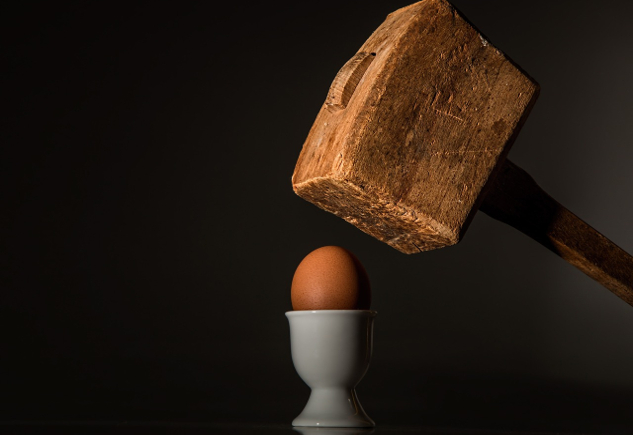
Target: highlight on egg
(330,278)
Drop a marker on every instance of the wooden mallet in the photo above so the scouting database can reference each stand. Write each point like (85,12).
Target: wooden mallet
(413,136)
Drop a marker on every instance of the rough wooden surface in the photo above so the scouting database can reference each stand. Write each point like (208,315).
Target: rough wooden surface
(412,128)
(516,199)
(413,136)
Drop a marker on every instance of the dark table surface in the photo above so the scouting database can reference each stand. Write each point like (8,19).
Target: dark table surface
(248,428)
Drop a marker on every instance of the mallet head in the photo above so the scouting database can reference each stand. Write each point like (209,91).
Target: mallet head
(413,128)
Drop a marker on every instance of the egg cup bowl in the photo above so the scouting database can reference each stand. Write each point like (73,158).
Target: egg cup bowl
(331,350)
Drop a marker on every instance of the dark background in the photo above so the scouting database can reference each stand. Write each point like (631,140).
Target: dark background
(150,232)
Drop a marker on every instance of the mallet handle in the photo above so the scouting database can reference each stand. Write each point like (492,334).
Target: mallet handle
(516,199)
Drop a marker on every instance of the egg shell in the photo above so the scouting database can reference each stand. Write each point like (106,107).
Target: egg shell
(330,278)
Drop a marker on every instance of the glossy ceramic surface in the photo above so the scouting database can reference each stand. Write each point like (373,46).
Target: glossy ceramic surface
(331,350)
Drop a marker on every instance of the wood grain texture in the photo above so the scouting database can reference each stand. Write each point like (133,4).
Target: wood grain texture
(515,198)
(406,155)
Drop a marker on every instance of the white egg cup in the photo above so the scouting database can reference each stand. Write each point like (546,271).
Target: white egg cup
(331,350)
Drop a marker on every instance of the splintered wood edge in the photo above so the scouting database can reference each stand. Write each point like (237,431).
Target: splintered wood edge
(347,79)
(390,223)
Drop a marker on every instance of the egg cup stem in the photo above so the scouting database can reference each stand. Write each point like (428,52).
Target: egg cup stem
(331,350)
(334,407)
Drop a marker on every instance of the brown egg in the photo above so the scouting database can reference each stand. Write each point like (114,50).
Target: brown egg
(330,278)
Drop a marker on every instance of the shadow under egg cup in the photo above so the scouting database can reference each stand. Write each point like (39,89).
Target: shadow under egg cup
(331,350)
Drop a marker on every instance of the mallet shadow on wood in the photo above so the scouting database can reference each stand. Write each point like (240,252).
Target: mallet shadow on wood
(412,140)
